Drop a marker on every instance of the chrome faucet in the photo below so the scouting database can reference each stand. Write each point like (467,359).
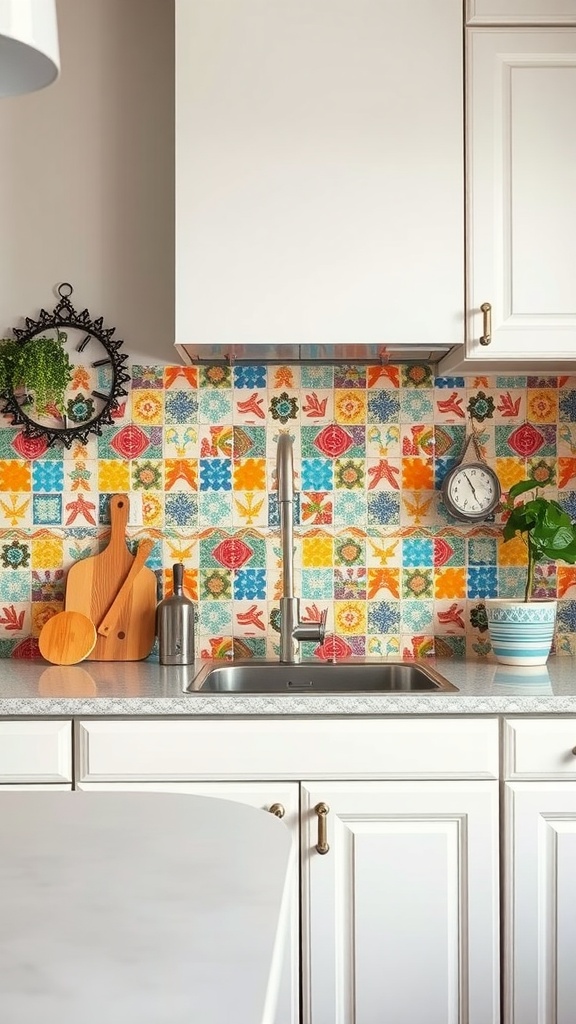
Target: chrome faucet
(291,626)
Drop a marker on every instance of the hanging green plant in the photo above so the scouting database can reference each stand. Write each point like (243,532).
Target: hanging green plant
(41,367)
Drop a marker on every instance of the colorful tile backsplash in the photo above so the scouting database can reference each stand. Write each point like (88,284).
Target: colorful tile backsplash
(374,543)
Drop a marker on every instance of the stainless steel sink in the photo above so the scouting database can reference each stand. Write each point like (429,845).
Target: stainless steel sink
(351,676)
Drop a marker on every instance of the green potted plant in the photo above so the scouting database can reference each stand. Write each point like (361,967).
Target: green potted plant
(521,632)
(41,368)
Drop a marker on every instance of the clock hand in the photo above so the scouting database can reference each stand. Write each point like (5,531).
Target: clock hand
(466,477)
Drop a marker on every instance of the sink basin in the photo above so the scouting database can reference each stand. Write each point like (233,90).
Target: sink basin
(352,676)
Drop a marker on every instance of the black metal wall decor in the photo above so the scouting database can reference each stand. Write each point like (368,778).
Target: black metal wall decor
(97,378)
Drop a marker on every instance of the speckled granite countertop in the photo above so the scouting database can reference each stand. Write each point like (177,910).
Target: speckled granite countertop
(35,688)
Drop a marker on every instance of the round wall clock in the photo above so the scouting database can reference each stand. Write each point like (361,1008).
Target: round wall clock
(471,490)
(96,379)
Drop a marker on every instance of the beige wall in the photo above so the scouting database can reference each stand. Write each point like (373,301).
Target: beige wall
(87,177)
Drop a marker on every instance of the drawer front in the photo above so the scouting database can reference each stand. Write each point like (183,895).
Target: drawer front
(536,748)
(287,749)
(35,751)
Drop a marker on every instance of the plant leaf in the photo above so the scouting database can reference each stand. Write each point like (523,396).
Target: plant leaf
(521,487)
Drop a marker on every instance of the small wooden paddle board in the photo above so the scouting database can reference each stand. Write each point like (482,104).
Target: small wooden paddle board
(94,582)
(67,638)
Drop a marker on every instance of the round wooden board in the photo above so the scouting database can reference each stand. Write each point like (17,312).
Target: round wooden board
(67,638)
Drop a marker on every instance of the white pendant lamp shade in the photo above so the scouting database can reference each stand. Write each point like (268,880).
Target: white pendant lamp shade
(29,55)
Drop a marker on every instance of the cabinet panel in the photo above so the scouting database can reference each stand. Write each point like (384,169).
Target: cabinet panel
(264,795)
(311,139)
(540,887)
(521,206)
(402,910)
(521,12)
(35,751)
(275,748)
(540,748)
(523,214)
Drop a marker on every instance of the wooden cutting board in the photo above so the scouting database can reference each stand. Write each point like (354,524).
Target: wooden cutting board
(93,583)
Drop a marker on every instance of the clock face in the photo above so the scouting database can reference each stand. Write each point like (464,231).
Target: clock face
(96,382)
(471,491)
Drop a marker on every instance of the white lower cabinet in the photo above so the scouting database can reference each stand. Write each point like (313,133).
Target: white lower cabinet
(398,920)
(540,917)
(400,914)
(539,880)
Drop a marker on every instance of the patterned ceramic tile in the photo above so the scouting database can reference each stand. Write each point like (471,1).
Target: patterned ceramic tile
(214,405)
(180,407)
(317,376)
(317,474)
(450,583)
(383,407)
(250,408)
(317,406)
(417,552)
(148,407)
(11,442)
(215,617)
(350,583)
(217,507)
(383,474)
(15,510)
(374,543)
(47,509)
(382,508)
(15,586)
(215,474)
(147,377)
(251,377)
(450,549)
(567,406)
(46,553)
(181,510)
(317,584)
(250,508)
(449,383)
(416,616)
(417,583)
(482,582)
(449,617)
(450,405)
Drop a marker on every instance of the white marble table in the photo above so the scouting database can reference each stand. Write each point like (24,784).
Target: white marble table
(139,908)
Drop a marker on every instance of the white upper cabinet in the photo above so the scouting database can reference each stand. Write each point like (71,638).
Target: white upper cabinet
(521,12)
(521,110)
(319,176)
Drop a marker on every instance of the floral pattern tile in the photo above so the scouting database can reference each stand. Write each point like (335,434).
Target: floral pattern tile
(374,543)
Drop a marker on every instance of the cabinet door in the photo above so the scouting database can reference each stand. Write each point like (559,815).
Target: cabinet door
(400,916)
(319,175)
(282,799)
(540,897)
(522,213)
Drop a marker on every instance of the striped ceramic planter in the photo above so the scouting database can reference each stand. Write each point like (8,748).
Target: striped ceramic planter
(521,633)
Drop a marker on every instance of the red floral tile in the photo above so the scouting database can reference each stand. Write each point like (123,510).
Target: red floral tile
(333,441)
(130,442)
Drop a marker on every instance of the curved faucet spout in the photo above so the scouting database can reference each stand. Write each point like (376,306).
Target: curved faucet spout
(292,629)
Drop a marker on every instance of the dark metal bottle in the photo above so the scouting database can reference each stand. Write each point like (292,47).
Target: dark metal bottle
(175,624)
